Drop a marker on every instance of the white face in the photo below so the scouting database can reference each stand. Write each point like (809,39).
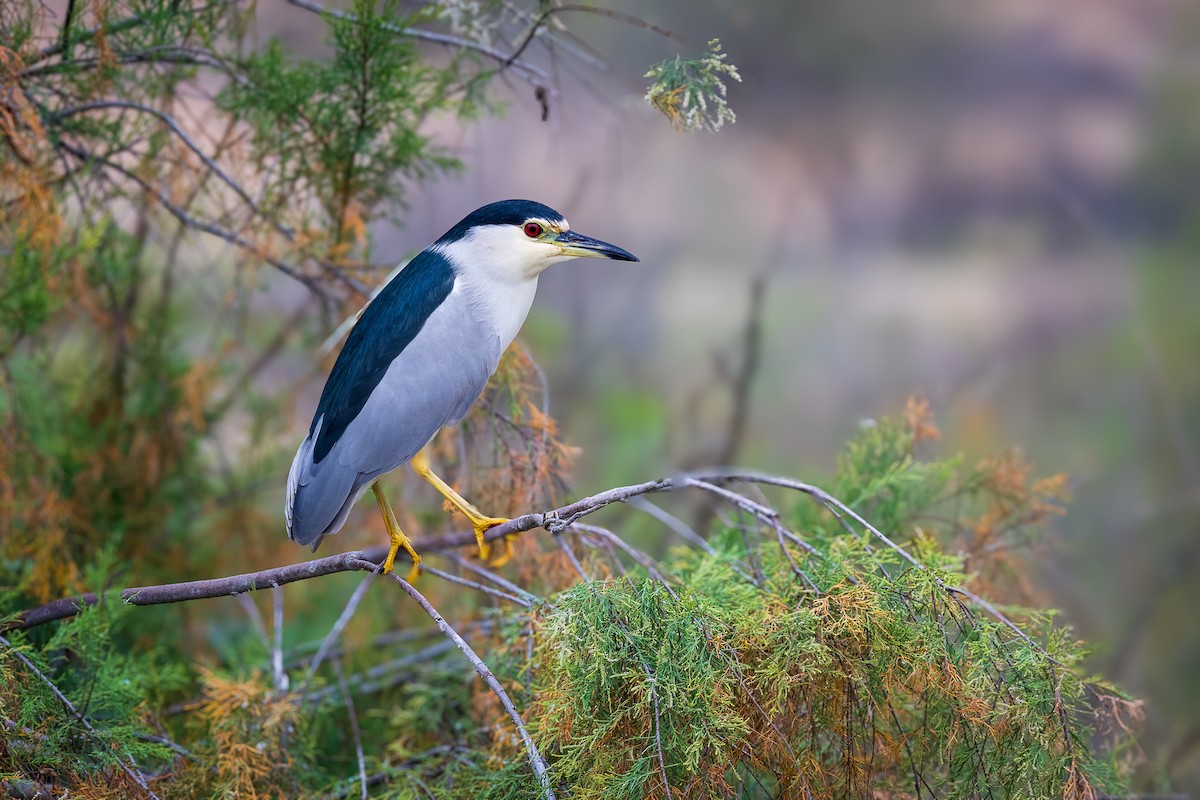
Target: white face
(510,252)
(514,253)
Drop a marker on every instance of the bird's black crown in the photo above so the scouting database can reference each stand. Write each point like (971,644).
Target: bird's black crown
(503,212)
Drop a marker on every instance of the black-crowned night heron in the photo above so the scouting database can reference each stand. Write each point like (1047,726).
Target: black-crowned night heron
(417,359)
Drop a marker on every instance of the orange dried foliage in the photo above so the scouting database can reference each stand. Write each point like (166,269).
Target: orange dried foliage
(351,233)
(38,518)
(248,724)
(104,53)
(918,416)
(25,181)
(1014,501)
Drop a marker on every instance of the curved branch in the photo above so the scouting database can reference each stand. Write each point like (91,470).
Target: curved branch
(197,590)
(554,522)
(175,128)
(195,223)
(620,16)
(532,71)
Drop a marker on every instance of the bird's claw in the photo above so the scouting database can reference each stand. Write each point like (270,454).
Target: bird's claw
(506,556)
(482,526)
(389,563)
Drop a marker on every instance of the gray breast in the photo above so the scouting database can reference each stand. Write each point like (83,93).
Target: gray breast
(431,383)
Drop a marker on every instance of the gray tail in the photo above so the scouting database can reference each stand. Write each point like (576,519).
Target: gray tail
(319,496)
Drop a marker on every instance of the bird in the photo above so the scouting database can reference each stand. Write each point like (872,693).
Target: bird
(417,359)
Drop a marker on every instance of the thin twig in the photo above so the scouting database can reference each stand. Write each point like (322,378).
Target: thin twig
(256,620)
(637,555)
(565,546)
(540,770)
(621,16)
(386,675)
(542,77)
(483,572)
(176,129)
(335,632)
(198,224)
(281,680)
(685,531)
(354,731)
(479,587)
(662,762)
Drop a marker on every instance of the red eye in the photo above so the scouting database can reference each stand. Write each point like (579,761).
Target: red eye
(533,230)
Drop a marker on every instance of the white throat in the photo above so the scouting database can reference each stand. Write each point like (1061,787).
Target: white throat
(497,276)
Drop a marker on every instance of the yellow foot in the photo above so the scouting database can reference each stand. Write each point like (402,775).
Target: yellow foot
(397,536)
(482,524)
(506,556)
(389,563)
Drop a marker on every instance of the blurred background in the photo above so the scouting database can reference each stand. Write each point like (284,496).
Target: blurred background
(993,204)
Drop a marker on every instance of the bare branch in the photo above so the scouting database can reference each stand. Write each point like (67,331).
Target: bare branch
(673,522)
(621,16)
(175,128)
(256,621)
(193,222)
(335,632)
(641,558)
(281,677)
(195,590)
(483,572)
(388,674)
(540,770)
(479,587)
(354,731)
(539,77)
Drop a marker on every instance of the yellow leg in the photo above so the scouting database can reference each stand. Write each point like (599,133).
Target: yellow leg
(398,538)
(480,521)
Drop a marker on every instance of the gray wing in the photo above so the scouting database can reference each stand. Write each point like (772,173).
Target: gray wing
(432,382)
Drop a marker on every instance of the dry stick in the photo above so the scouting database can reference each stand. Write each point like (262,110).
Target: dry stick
(565,546)
(637,555)
(175,128)
(385,675)
(673,522)
(281,679)
(386,639)
(662,762)
(540,770)
(354,731)
(479,587)
(133,773)
(536,75)
(499,580)
(256,621)
(335,632)
(203,225)
(162,54)
(766,515)
(234,585)
(553,521)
